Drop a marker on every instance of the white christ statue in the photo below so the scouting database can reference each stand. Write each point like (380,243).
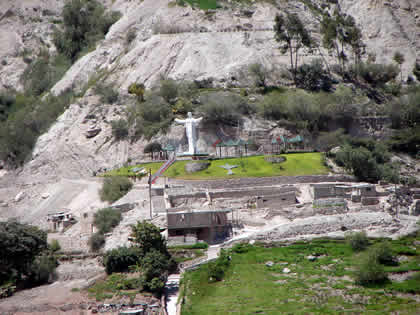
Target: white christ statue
(190,127)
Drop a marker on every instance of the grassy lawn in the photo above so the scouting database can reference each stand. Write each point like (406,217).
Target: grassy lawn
(324,286)
(203,4)
(254,166)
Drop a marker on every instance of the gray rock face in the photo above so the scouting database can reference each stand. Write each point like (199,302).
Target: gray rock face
(196,166)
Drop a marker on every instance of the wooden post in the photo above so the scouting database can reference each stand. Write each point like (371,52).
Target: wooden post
(150,192)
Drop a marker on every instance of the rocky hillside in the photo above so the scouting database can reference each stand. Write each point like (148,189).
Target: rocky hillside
(158,38)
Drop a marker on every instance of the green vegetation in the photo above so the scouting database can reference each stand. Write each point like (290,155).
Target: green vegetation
(290,30)
(324,286)
(25,259)
(313,112)
(358,241)
(106,219)
(368,160)
(113,188)
(107,93)
(255,166)
(27,118)
(201,4)
(85,22)
(148,258)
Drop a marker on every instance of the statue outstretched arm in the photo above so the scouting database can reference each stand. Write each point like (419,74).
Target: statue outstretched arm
(179,121)
(197,120)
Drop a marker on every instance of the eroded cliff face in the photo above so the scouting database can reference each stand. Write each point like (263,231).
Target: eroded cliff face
(213,48)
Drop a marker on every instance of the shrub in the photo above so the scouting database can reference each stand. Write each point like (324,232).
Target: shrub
(114,188)
(217,269)
(42,270)
(32,117)
(259,73)
(119,129)
(313,77)
(384,254)
(119,259)
(55,245)
(358,241)
(168,90)
(137,89)
(85,22)
(106,219)
(369,271)
(107,93)
(96,242)
(377,74)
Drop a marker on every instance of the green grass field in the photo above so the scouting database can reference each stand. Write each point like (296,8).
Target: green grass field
(254,166)
(324,286)
(203,4)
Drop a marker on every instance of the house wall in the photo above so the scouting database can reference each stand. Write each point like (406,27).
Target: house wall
(196,219)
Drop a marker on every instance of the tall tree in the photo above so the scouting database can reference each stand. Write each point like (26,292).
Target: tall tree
(339,31)
(292,32)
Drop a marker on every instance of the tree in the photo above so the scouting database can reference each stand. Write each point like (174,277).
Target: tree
(147,236)
(20,245)
(399,59)
(293,33)
(338,31)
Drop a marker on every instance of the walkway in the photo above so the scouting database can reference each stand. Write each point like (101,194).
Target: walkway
(172,284)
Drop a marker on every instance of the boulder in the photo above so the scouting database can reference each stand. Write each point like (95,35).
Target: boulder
(92,132)
(20,196)
(286,270)
(196,166)
(311,258)
(269,264)
(45,195)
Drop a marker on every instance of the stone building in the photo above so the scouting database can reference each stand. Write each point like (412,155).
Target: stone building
(191,226)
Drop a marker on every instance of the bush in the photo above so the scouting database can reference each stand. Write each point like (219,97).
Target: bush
(137,89)
(369,271)
(96,242)
(106,219)
(41,75)
(107,93)
(358,241)
(148,237)
(20,245)
(114,188)
(55,245)
(32,117)
(119,129)
(85,22)
(217,269)
(377,74)
(259,73)
(121,258)
(313,77)
(42,270)
(384,254)
(168,90)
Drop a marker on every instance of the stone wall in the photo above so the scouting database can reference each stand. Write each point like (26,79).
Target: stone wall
(262,181)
